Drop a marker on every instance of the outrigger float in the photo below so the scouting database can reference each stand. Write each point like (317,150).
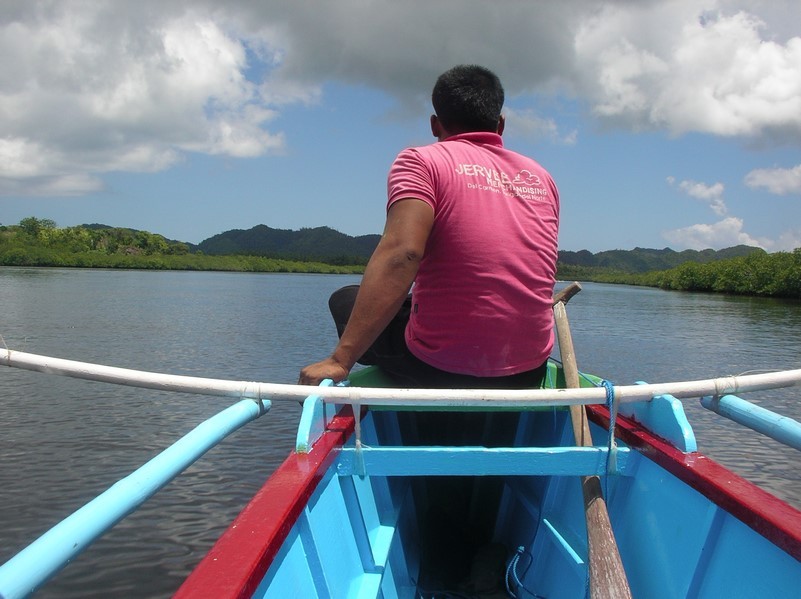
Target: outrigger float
(582,488)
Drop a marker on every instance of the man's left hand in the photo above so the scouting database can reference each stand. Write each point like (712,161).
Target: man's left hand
(329,368)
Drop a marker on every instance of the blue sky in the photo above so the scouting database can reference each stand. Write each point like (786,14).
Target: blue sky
(665,124)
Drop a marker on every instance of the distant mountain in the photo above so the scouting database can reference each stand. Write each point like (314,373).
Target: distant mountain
(641,260)
(329,245)
(320,243)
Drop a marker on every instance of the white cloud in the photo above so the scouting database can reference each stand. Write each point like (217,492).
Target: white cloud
(780,181)
(725,233)
(92,87)
(709,194)
(788,241)
(674,66)
(84,91)
(528,124)
(75,184)
(712,195)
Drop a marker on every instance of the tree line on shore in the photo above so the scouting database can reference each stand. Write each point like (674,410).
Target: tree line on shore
(39,242)
(757,274)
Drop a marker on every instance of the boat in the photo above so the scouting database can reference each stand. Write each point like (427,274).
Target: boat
(469,493)
(337,520)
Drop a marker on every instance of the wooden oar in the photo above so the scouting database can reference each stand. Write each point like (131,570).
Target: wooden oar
(607,576)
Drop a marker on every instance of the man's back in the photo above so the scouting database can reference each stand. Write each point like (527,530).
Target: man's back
(482,294)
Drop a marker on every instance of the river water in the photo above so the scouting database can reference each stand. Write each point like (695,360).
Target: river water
(63,441)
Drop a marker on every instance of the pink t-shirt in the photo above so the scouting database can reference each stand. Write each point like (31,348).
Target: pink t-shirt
(482,296)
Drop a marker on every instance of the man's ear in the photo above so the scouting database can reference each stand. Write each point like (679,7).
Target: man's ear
(436,126)
(501,125)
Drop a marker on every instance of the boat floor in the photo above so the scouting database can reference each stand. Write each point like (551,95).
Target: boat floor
(458,515)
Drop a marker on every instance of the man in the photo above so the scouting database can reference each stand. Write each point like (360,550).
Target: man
(474,227)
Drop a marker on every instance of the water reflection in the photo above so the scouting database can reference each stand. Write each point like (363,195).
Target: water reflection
(63,441)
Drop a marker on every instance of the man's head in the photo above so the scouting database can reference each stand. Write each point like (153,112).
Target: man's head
(467,98)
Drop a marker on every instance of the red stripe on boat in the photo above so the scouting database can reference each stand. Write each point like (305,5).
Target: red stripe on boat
(238,561)
(768,515)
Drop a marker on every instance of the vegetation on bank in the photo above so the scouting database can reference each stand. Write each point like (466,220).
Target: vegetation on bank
(757,274)
(39,242)
(641,260)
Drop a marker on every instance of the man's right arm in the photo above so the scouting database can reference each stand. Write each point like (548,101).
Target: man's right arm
(387,279)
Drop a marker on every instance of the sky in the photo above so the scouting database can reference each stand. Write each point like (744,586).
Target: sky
(664,123)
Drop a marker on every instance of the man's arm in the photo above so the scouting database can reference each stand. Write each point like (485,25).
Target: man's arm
(386,282)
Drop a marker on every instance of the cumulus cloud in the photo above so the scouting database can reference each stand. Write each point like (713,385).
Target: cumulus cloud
(92,87)
(780,181)
(528,124)
(673,66)
(725,233)
(85,91)
(788,241)
(712,195)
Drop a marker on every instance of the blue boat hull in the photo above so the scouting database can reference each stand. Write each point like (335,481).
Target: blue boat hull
(376,521)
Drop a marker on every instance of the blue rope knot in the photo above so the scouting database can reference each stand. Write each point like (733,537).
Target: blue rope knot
(611,404)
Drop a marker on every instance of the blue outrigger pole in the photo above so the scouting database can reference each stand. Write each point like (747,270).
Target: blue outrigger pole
(779,428)
(34,565)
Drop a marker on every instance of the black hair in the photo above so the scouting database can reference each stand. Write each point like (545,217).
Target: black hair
(468,98)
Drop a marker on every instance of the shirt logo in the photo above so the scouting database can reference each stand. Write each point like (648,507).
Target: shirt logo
(525,177)
(524,185)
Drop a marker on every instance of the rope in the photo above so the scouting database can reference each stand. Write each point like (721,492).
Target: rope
(357,415)
(512,576)
(612,405)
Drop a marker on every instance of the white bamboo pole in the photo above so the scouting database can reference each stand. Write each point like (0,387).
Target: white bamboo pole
(395,397)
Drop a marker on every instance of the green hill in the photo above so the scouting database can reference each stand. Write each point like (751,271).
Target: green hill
(319,243)
(640,260)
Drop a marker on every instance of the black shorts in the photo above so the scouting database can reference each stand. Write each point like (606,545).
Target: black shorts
(390,353)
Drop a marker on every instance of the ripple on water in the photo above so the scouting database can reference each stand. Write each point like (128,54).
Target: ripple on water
(63,441)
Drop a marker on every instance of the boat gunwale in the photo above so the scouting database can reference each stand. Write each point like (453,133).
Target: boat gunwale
(773,518)
(257,534)
(265,522)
